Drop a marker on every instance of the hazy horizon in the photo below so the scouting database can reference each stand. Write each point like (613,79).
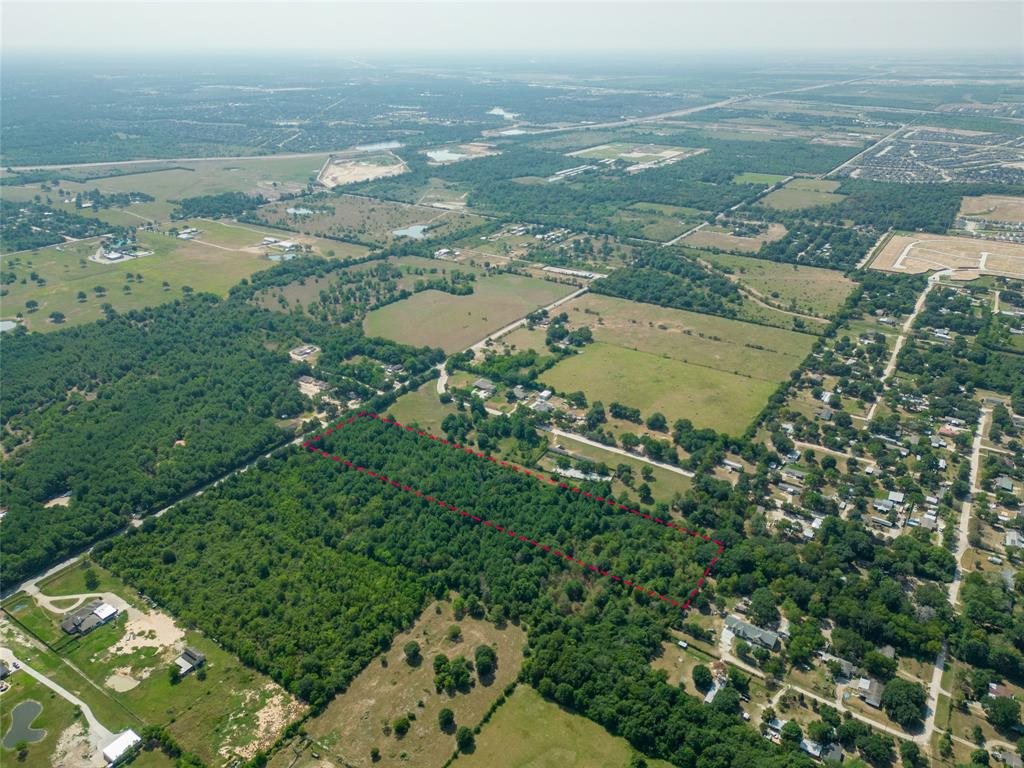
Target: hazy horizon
(340,30)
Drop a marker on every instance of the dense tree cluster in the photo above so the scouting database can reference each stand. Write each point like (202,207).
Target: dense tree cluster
(223,204)
(35,225)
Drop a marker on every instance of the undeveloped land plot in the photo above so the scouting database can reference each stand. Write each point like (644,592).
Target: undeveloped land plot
(716,342)
(723,239)
(994,208)
(338,170)
(817,291)
(643,156)
(803,193)
(390,687)
(969,258)
(365,219)
(437,319)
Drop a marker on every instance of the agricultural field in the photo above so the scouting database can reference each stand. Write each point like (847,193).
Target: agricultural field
(916,253)
(731,346)
(1002,208)
(435,318)
(722,238)
(706,396)
(639,156)
(529,732)
(125,667)
(390,687)
(763,179)
(803,193)
(806,289)
(656,221)
(366,220)
(340,170)
(67,270)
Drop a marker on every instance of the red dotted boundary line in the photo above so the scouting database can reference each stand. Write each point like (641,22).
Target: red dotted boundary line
(309,445)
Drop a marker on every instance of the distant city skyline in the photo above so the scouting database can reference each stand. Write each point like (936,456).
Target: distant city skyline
(472,28)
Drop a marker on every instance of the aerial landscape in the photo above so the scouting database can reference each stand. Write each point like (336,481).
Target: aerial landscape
(471,385)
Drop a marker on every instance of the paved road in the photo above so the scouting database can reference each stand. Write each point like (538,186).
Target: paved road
(619,451)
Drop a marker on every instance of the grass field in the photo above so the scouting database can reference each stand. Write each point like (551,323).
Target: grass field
(708,397)
(657,221)
(390,687)
(529,732)
(57,717)
(764,179)
(723,239)
(67,271)
(731,346)
(268,176)
(803,193)
(994,208)
(422,408)
(367,220)
(437,319)
(817,291)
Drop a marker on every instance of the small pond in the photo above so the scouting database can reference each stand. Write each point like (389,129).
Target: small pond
(415,231)
(21,724)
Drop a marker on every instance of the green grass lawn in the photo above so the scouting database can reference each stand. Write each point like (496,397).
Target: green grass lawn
(529,732)
(656,221)
(764,179)
(708,397)
(422,407)
(727,345)
(817,291)
(437,319)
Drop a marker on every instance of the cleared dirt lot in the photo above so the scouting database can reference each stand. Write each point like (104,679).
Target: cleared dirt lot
(349,170)
(917,253)
(994,208)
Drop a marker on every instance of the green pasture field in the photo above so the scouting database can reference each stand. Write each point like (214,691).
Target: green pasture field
(689,337)
(803,193)
(212,718)
(240,235)
(57,715)
(367,220)
(708,397)
(529,732)
(268,176)
(67,271)
(657,221)
(437,319)
(751,177)
(815,290)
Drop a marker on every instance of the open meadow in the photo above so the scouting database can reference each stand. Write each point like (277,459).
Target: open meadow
(438,319)
(529,732)
(715,342)
(803,193)
(722,238)
(392,687)
(706,396)
(656,221)
(1003,208)
(807,289)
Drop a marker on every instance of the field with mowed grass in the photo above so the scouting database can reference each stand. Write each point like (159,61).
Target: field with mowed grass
(803,193)
(708,397)
(813,290)
(751,177)
(56,716)
(529,732)
(67,272)
(422,407)
(727,345)
(438,319)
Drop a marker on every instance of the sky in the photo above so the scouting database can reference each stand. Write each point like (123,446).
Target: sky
(475,28)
